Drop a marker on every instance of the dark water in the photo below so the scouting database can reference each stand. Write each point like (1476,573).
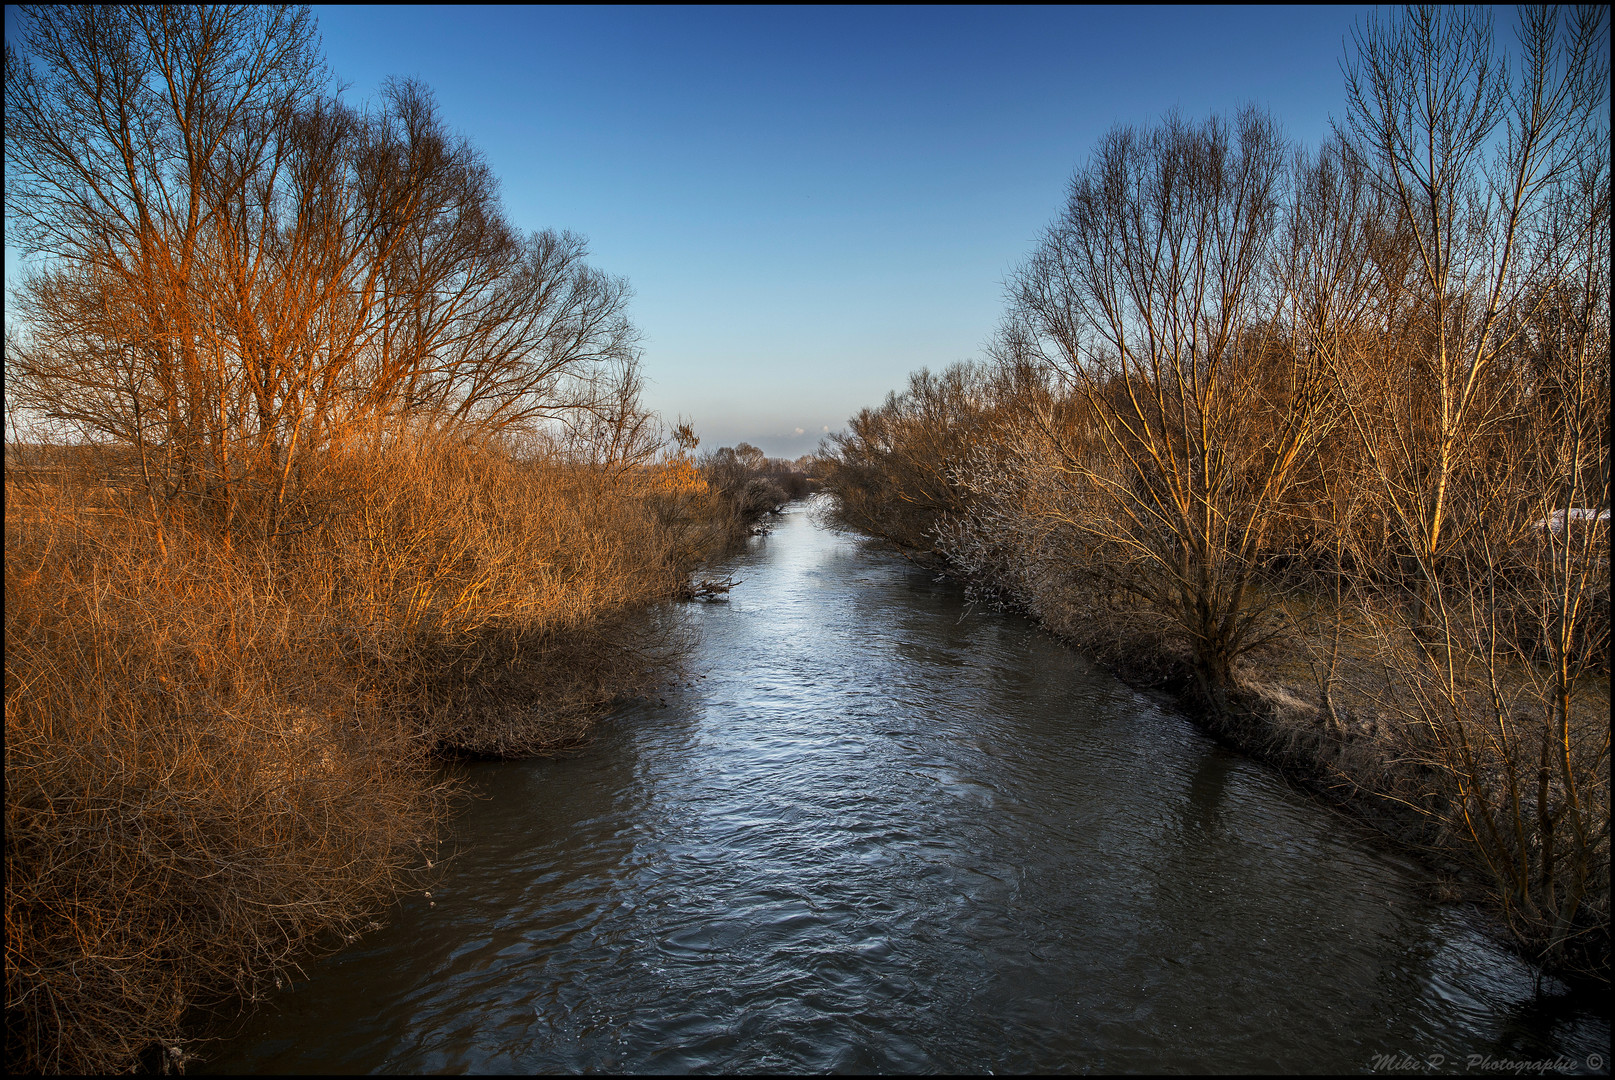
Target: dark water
(887,834)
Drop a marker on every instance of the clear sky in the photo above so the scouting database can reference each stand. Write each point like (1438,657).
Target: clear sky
(812,202)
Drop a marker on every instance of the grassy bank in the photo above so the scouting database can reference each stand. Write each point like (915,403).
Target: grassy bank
(220,749)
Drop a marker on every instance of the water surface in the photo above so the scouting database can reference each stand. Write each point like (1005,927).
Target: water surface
(882,832)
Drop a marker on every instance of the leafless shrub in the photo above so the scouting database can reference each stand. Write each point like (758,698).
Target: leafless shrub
(508,590)
(217,751)
(891,472)
(198,793)
(747,485)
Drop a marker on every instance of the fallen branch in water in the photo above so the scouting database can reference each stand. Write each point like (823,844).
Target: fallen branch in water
(707,589)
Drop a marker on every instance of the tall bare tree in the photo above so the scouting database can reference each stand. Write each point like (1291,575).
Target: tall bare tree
(240,272)
(1479,165)
(1159,300)
(1481,414)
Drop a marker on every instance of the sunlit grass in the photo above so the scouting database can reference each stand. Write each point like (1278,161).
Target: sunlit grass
(219,748)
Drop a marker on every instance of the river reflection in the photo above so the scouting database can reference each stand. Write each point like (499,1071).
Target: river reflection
(885,833)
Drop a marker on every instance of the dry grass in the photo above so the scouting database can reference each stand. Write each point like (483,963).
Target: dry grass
(197,790)
(219,750)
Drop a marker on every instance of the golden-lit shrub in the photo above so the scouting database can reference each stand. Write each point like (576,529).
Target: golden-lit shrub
(197,791)
(493,592)
(893,473)
(218,750)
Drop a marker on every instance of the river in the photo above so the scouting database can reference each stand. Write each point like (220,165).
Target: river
(885,832)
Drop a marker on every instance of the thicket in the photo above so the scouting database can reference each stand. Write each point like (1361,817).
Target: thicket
(1322,441)
(750,485)
(317,469)
(895,470)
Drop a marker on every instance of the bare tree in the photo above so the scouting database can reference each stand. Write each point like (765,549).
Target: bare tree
(241,273)
(1159,300)
(605,426)
(111,135)
(1478,166)
(1481,410)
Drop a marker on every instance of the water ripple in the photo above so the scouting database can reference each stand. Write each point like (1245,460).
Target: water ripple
(888,834)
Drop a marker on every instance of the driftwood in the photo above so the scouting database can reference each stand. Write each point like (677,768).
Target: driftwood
(707,589)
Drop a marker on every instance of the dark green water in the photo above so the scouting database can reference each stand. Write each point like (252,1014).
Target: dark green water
(887,834)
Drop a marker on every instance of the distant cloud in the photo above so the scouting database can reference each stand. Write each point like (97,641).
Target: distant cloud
(799,431)
(825,429)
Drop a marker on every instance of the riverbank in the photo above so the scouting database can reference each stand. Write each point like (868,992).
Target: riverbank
(1322,708)
(1462,701)
(220,747)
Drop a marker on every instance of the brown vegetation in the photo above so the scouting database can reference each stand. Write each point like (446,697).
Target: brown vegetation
(748,485)
(1320,441)
(218,750)
(199,787)
(894,471)
(317,467)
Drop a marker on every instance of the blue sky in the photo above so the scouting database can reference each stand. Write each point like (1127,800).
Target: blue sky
(812,202)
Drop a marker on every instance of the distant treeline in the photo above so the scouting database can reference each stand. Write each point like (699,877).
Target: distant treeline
(317,468)
(754,485)
(1322,440)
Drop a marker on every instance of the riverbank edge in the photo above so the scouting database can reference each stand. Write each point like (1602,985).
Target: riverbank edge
(1270,723)
(588,666)
(189,1048)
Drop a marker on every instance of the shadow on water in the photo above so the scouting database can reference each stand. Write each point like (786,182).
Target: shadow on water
(885,832)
